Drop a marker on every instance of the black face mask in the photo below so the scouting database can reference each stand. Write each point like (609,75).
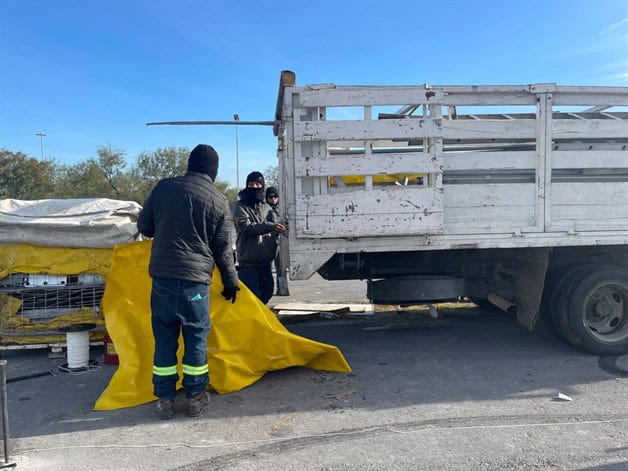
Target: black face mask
(254,195)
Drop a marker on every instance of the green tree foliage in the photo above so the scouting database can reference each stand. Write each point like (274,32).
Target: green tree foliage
(162,163)
(103,176)
(100,177)
(150,167)
(24,177)
(111,163)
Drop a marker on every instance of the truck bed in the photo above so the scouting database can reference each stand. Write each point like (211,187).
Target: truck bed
(371,169)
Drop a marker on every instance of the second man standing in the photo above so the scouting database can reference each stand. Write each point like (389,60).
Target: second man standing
(256,242)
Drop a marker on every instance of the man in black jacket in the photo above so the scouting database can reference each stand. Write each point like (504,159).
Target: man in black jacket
(256,243)
(272,198)
(190,223)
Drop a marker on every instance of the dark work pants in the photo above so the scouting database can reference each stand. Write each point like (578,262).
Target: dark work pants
(259,280)
(179,306)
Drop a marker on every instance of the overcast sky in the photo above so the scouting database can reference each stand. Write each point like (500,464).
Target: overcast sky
(92,73)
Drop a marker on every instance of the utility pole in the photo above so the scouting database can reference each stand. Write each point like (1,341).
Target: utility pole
(41,142)
(236,117)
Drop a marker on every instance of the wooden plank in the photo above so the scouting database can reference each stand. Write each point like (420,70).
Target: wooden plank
(306,131)
(543,169)
(459,95)
(589,159)
(368,150)
(580,227)
(376,164)
(484,208)
(489,99)
(360,130)
(618,98)
(482,218)
(592,90)
(288,312)
(286,79)
(369,225)
(589,193)
(435,146)
(324,307)
(488,129)
(584,206)
(312,307)
(613,213)
(389,210)
(489,195)
(589,129)
(332,95)
(515,160)
(416,324)
(365,96)
(286,317)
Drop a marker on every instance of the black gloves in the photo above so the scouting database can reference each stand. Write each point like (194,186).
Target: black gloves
(229,293)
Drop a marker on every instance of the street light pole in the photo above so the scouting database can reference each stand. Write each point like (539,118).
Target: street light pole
(41,142)
(237,118)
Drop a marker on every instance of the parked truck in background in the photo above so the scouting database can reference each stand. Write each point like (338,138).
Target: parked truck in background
(515,196)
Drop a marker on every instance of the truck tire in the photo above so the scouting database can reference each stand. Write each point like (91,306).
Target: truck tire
(561,299)
(598,312)
(551,283)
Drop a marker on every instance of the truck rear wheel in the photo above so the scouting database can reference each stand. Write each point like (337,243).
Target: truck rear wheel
(561,299)
(598,311)
(551,284)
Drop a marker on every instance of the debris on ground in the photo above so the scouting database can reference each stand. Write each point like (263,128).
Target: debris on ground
(562,397)
(307,311)
(415,324)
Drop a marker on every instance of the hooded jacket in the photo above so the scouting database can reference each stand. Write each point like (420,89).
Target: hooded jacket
(256,243)
(190,222)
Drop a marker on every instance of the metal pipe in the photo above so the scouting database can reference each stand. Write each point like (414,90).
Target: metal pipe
(236,117)
(31,376)
(5,409)
(214,123)
(500,302)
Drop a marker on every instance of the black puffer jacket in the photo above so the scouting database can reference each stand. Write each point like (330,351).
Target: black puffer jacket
(256,241)
(191,224)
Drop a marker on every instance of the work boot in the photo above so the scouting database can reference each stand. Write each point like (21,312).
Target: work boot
(197,404)
(165,409)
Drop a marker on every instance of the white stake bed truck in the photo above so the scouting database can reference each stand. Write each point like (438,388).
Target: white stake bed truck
(515,196)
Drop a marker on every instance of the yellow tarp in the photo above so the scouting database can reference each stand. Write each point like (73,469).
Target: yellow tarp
(53,261)
(390,178)
(246,339)
(22,258)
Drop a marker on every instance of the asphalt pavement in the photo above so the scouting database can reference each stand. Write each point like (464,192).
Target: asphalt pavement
(478,394)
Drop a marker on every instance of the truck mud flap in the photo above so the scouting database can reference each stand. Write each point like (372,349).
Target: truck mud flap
(531,268)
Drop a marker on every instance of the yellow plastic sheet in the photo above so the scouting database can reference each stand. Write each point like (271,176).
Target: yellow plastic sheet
(53,261)
(22,258)
(246,339)
(9,306)
(390,178)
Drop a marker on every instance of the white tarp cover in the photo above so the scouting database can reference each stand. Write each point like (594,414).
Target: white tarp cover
(91,222)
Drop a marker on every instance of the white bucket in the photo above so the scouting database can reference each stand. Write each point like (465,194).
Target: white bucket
(78,349)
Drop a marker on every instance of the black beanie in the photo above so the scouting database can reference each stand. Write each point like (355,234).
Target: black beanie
(271,190)
(255,177)
(204,159)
